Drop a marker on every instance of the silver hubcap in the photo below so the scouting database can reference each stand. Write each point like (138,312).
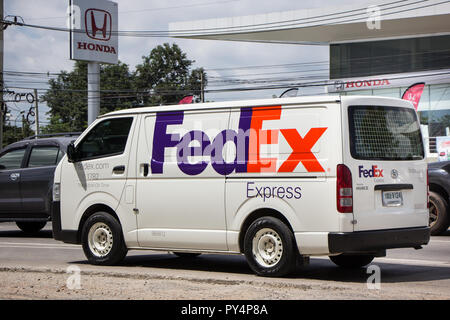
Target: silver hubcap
(100,239)
(267,247)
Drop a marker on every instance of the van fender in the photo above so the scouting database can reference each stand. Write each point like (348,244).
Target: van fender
(255,204)
(95,199)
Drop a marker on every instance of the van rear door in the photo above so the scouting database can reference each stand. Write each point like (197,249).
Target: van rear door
(385,154)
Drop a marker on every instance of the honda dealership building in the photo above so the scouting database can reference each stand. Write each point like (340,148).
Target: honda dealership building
(376,48)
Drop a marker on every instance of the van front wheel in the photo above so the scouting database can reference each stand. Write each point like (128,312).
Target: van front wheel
(269,247)
(102,239)
(352,260)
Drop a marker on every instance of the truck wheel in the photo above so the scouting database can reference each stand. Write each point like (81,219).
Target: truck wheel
(102,240)
(352,260)
(439,217)
(270,248)
(31,227)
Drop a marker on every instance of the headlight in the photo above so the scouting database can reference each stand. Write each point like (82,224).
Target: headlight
(56,192)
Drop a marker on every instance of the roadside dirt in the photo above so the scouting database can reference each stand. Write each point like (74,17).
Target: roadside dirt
(29,283)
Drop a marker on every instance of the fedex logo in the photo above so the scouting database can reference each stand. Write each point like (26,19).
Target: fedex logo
(374,172)
(247,140)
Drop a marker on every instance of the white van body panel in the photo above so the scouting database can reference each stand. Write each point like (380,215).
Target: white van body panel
(176,197)
(92,182)
(368,210)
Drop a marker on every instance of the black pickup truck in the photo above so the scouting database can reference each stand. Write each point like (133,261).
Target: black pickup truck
(439,182)
(27,168)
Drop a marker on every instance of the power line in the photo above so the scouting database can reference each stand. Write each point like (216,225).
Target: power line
(206,31)
(322,83)
(270,66)
(209,3)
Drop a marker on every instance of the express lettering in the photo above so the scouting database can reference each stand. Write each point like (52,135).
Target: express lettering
(247,139)
(267,192)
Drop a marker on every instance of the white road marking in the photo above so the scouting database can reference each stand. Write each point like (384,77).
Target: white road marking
(35,245)
(44,247)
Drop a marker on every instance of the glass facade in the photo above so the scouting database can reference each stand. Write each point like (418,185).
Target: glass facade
(358,59)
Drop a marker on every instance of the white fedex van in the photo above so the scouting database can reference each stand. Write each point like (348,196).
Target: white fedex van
(275,180)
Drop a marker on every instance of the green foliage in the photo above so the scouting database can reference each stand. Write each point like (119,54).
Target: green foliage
(67,97)
(12,133)
(163,77)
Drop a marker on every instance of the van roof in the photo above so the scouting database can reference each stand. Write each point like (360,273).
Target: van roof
(253,103)
(229,104)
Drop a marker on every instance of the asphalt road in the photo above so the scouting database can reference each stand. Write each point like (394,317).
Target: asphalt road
(26,260)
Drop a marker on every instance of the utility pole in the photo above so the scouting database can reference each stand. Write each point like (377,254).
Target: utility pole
(1,75)
(36,110)
(202,89)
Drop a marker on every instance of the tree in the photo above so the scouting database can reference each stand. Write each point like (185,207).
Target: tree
(13,133)
(164,77)
(67,96)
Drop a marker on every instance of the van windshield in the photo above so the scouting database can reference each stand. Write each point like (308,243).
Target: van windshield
(384,133)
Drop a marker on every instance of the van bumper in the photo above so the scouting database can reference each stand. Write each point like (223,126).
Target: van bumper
(68,236)
(367,241)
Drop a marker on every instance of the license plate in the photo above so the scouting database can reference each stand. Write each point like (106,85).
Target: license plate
(392,198)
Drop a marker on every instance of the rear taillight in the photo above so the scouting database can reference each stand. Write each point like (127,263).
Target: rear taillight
(344,189)
(428,192)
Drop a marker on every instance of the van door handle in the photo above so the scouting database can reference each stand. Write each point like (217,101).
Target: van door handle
(119,169)
(145,165)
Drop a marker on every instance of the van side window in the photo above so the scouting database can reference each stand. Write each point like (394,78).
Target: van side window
(107,138)
(12,159)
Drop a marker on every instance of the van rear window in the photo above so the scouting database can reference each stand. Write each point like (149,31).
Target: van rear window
(384,133)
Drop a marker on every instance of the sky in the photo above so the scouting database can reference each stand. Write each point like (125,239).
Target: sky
(36,50)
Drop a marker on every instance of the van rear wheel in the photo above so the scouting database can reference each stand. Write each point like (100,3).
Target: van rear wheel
(102,240)
(270,248)
(352,260)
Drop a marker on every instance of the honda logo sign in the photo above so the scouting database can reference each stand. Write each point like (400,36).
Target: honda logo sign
(95,39)
(98,24)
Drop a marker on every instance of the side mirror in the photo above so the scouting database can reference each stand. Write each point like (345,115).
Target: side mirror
(2,167)
(72,153)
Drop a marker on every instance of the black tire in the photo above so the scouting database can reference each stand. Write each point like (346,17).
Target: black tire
(31,227)
(279,247)
(352,260)
(439,216)
(187,255)
(102,240)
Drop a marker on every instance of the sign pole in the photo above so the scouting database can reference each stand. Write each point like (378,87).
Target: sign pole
(93,38)
(93,91)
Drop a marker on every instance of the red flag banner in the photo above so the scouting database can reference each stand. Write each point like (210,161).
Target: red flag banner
(186,100)
(413,93)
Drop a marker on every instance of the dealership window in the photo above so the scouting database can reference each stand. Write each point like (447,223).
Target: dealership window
(358,59)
